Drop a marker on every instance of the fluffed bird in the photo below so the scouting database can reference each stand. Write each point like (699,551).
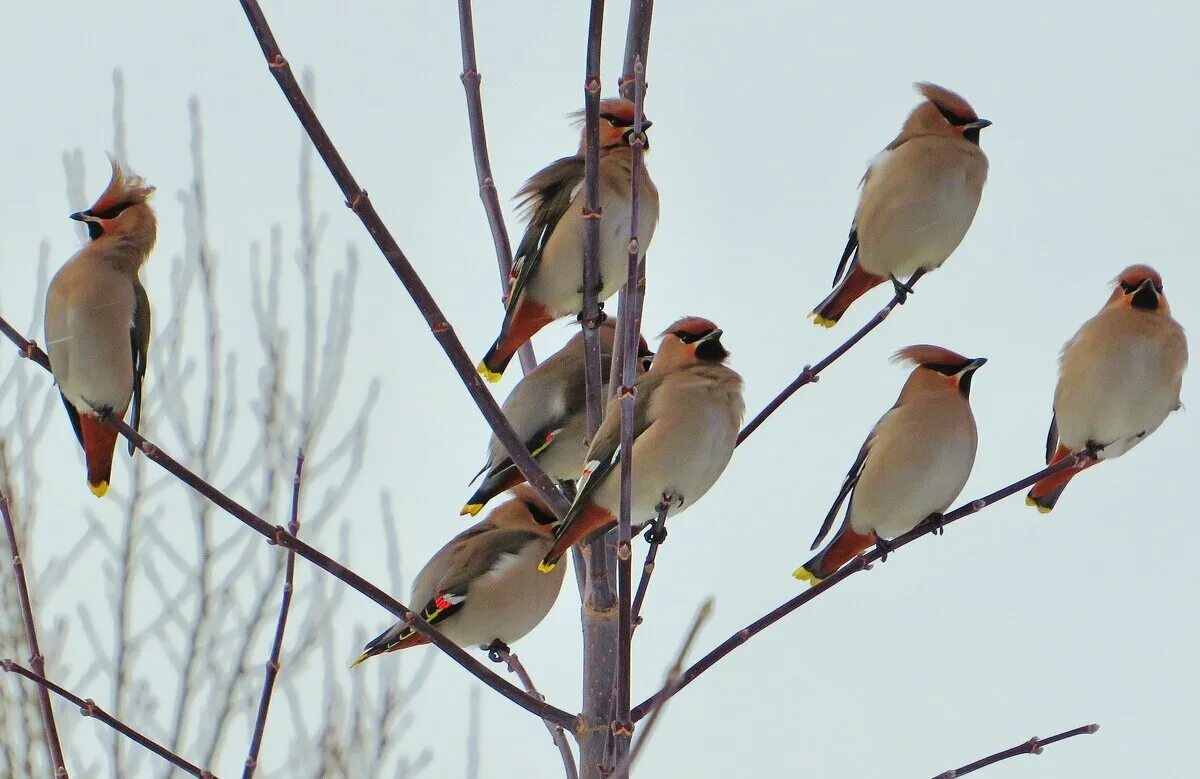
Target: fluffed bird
(548,411)
(919,196)
(687,413)
(547,274)
(482,587)
(97,321)
(1118,379)
(913,464)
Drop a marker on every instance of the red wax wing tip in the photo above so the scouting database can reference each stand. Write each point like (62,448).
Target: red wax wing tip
(441,602)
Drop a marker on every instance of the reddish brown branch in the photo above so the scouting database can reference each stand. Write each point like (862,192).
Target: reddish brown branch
(655,536)
(483,165)
(88,708)
(280,535)
(591,316)
(1031,747)
(812,372)
(36,659)
(849,569)
(637,42)
(557,734)
(289,579)
(358,202)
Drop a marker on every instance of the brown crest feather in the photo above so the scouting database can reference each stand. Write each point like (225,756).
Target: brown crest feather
(946,100)
(928,354)
(122,188)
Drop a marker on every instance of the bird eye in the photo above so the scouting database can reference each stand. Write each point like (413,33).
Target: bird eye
(690,338)
(113,212)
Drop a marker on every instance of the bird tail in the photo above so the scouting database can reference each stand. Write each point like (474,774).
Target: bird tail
(99,444)
(855,284)
(588,520)
(1045,494)
(388,641)
(516,331)
(845,545)
(500,479)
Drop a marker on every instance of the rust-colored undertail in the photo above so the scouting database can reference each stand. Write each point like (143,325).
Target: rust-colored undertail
(507,477)
(99,443)
(516,332)
(856,284)
(844,547)
(590,519)
(1046,492)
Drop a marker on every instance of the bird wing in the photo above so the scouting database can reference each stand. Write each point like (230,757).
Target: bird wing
(488,549)
(547,196)
(139,341)
(850,250)
(1052,437)
(847,488)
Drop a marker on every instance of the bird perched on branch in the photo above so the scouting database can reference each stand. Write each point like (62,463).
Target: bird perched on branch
(547,409)
(913,464)
(686,418)
(97,321)
(919,196)
(1119,377)
(481,588)
(547,272)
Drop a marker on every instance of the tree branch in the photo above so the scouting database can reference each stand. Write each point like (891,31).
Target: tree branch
(358,202)
(1031,747)
(637,42)
(483,165)
(280,536)
(854,566)
(88,708)
(289,578)
(556,733)
(591,316)
(655,536)
(811,373)
(36,659)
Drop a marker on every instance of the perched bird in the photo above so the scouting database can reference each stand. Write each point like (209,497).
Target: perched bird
(913,464)
(687,414)
(919,196)
(98,321)
(482,588)
(548,411)
(548,267)
(1118,379)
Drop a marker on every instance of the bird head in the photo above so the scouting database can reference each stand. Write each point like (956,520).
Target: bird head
(1139,287)
(616,124)
(121,210)
(937,367)
(943,113)
(692,339)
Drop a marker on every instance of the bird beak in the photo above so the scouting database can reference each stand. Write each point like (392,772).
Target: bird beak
(715,335)
(978,124)
(84,216)
(976,363)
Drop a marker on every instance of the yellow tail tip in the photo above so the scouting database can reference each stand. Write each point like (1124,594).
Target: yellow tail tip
(360,660)
(1029,501)
(99,490)
(546,567)
(471,508)
(805,575)
(822,321)
(487,373)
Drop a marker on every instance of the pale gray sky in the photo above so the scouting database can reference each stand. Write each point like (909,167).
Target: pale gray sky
(765,115)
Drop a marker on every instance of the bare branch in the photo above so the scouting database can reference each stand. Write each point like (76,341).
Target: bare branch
(358,202)
(591,316)
(1031,747)
(859,563)
(289,578)
(810,373)
(483,165)
(637,42)
(88,708)
(35,653)
(556,733)
(655,535)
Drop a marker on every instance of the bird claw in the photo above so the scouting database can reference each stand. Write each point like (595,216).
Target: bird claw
(885,548)
(938,520)
(902,290)
(1093,449)
(497,651)
(655,533)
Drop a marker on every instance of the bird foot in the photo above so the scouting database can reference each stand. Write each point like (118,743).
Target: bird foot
(902,290)
(1092,449)
(497,651)
(938,520)
(655,533)
(884,546)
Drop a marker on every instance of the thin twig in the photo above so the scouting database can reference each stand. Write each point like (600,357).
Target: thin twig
(483,165)
(655,536)
(36,659)
(659,703)
(556,733)
(289,578)
(1031,747)
(637,42)
(280,536)
(591,316)
(859,563)
(810,373)
(358,202)
(88,708)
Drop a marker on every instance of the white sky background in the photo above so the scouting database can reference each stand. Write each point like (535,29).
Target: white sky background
(1010,625)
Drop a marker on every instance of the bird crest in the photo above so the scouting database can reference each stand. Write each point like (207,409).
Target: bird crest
(123,189)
